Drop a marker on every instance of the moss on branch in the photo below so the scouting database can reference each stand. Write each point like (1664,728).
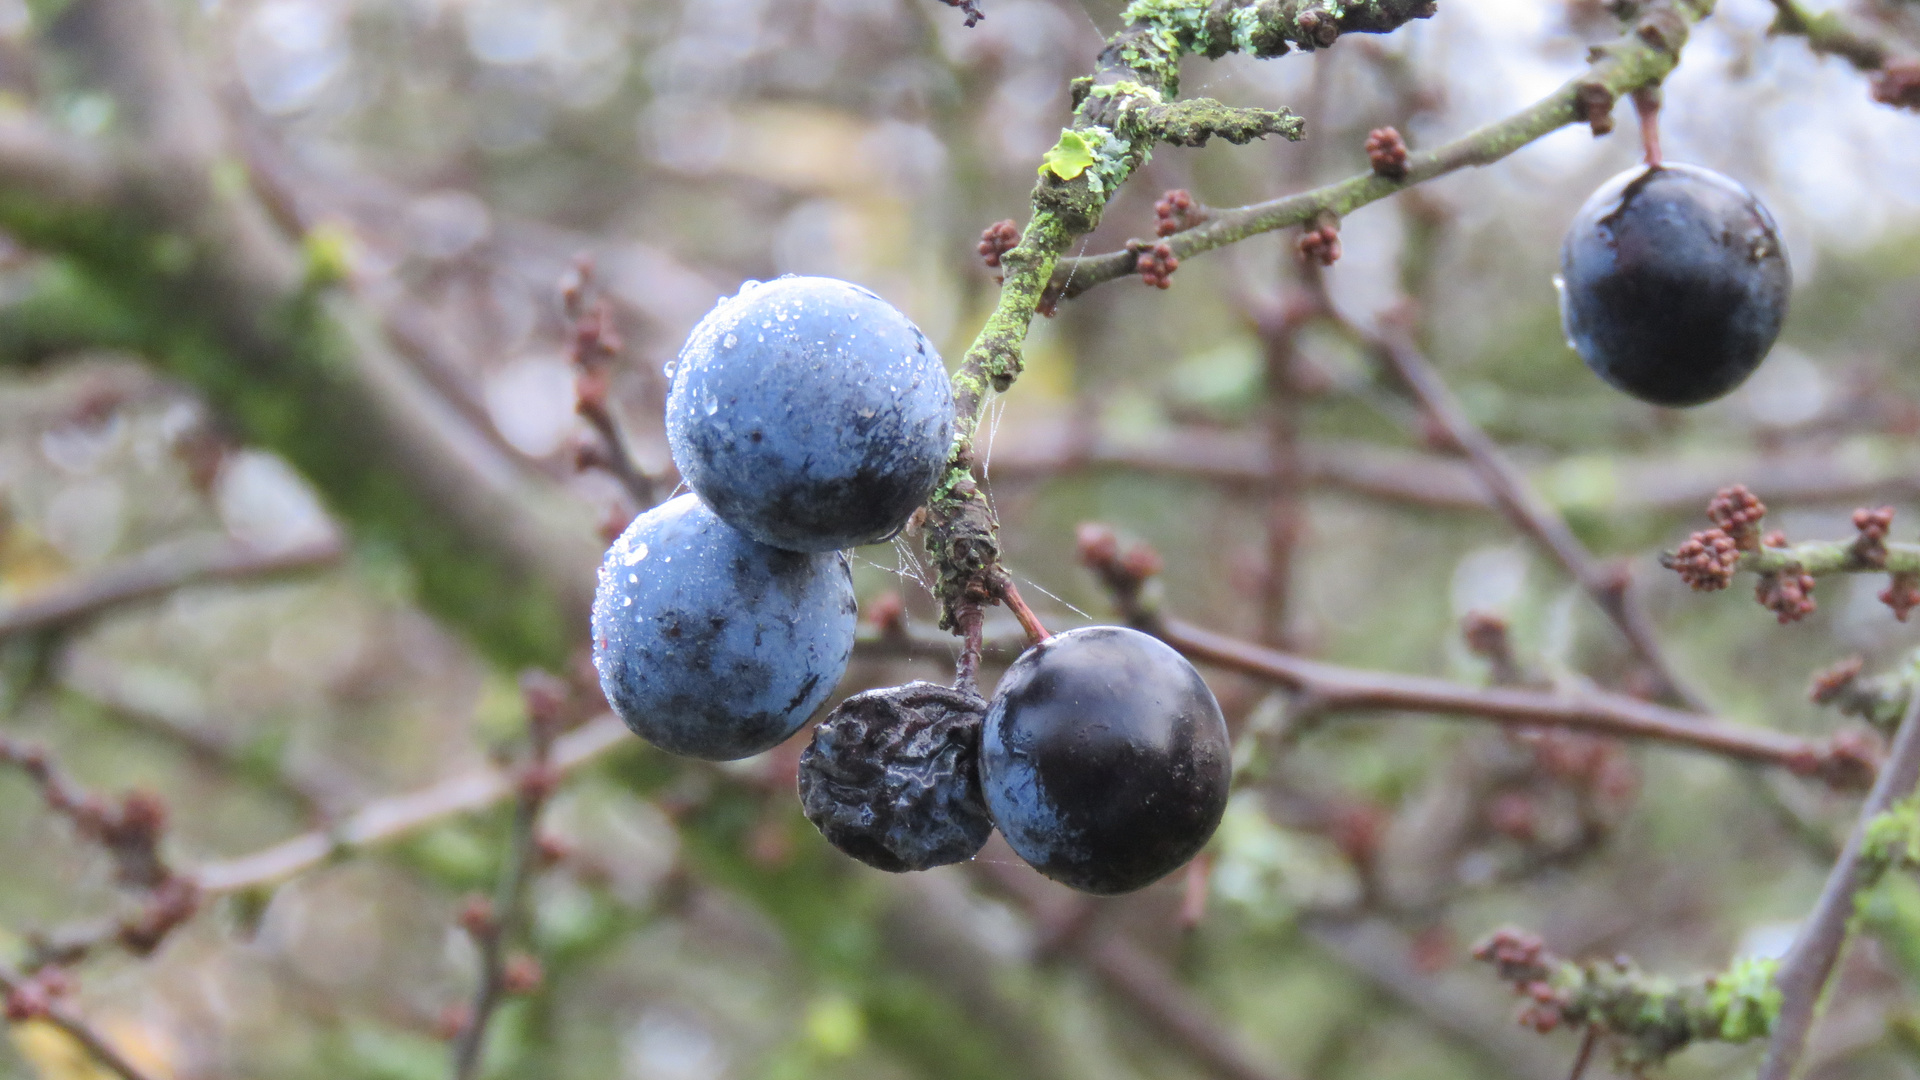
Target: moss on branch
(1119,113)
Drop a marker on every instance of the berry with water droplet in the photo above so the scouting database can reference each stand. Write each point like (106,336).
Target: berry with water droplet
(1673,284)
(810,414)
(711,644)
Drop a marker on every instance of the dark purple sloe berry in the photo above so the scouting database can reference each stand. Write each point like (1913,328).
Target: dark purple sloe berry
(1673,284)
(892,777)
(711,644)
(1105,759)
(810,414)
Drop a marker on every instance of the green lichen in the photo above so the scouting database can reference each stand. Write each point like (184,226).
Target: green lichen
(1745,1000)
(1244,23)
(1652,1017)
(1193,121)
(1113,162)
(1069,157)
(1891,841)
(1125,88)
(1174,26)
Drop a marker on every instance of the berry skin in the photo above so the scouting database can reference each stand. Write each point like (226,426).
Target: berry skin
(1105,759)
(1673,284)
(714,646)
(892,777)
(810,414)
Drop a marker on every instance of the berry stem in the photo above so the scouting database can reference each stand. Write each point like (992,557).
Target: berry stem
(1646,102)
(966,670)
(1036,633)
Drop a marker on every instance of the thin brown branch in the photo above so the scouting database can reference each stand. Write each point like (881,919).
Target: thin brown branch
(504,920)
(1029,622)
(37,159)
(14,985)
(1137,978)
(1340,689)
(1608,587)
(1279,326)
(593,347)
(155,574)
(1331,688)
(1804,973)
(1809,476)
(1381,954)
(386,820)
(313,791)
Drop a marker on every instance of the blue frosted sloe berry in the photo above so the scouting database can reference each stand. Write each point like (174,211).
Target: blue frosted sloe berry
(712,645)
(1673,284)
(892,778)
(810,414)
(1105,759)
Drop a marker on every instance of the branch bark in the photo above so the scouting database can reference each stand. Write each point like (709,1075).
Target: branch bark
(1607,587)
(1803,975)
(155,574)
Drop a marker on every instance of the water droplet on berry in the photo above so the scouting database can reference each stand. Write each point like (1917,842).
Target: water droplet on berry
(730,340)
(636,553)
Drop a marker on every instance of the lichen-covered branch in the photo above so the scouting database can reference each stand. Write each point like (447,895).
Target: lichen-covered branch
(1646,1018)
(1120,112)
(1644,57)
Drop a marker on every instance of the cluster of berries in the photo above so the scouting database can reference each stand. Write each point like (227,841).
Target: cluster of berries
(809,416)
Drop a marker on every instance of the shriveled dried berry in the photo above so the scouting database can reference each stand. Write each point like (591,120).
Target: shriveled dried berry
(892,777)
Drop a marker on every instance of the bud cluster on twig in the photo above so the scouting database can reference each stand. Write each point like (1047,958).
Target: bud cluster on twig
(1645,1018)
(1709,558)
